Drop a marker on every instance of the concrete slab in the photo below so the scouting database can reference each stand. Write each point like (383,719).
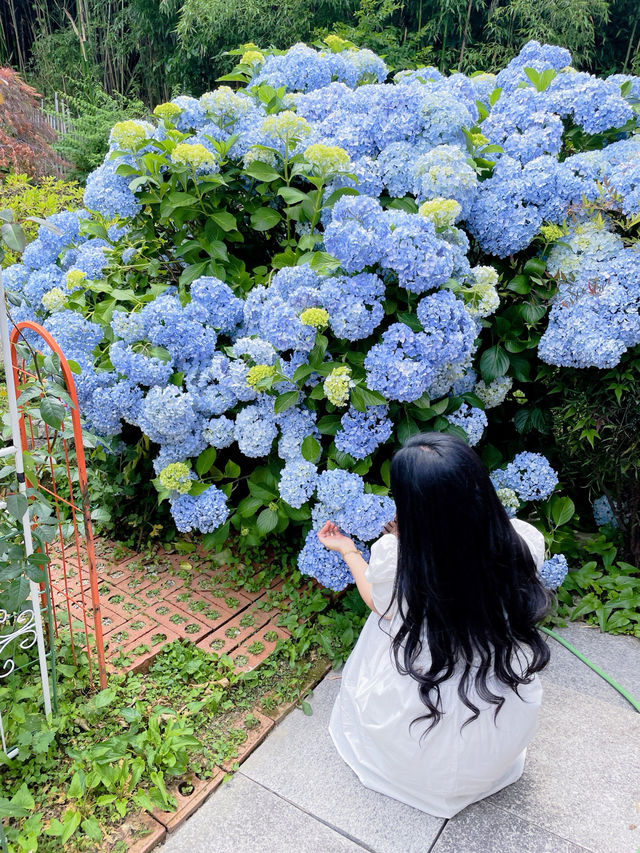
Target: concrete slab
(242,817)
(581,780)
(299,762)
(483,827)
(618,656)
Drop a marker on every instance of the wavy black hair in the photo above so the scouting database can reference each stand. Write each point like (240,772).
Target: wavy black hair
(466,582)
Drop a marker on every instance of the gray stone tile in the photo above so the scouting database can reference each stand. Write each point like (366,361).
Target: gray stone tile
(299,761)
(618,656)
(582,779)
(241,817)
(483,827)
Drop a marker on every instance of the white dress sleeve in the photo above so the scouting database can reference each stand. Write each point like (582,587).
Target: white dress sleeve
(533,538)
(381,571)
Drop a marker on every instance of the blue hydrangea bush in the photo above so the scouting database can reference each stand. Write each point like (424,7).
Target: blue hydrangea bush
(278,283)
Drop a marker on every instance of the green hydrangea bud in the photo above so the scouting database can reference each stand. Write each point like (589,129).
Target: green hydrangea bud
(176,477)
(75,279)
(167,111)
(54,299)
(128,134)
(443,212)
(337,385)
(317,317)
(327,159)
(259,372)
(196,156)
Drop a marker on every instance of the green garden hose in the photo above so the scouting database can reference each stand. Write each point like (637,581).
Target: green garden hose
(633,702)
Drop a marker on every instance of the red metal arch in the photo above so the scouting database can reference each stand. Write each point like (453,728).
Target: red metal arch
(72,571)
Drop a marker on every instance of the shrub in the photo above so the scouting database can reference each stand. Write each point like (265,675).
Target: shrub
(278,285)
(26,197)
(85,143)
(25,141)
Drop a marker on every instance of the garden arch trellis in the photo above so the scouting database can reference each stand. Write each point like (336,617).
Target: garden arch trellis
(68,600)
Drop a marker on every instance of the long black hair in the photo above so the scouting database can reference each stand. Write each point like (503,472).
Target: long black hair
(466,583)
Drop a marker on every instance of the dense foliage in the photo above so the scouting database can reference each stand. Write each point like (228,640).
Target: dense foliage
(30,199)
(277,285)
(153,48)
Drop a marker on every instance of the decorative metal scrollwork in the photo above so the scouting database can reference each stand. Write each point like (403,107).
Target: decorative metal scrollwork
(24,625)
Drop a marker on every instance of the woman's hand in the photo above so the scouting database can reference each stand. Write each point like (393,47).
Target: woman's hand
(332,539)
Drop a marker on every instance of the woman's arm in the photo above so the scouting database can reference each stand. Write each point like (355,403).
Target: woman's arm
(332,539)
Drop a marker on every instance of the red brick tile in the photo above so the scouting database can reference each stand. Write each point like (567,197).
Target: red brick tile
(255,735)
(139,833)
(143,650)
(188,802)
(248,655)
(127,633)
(185,625)
(234,632)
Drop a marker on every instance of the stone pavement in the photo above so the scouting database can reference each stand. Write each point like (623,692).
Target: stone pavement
(580,790)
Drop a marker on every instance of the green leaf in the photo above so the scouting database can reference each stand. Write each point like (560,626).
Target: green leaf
(321,262)
(13,236)
(285,401)
(72,820)
(411,321)
(17,505)
(306,708)
(562,510)
(22,799)
(310,448)
(493,362)
(520,284)
(52,411)
(406,429)
(250,505)
(77,787)
(91,827)
(224,219)
(291,195)
(161,353)
(368,397)
(104,698)
(267,520)
(232,469)
(261,171)
(329,424)
(265,218)
(534,266)
(532,313)
(205,460)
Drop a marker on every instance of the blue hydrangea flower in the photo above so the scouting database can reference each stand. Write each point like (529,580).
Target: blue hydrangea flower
(205,512)
(108,193)
(356,232)
(473,421)
(354,305)
(219,432)
(223,307)
(529,475)
(553,571)
(255,428)
(298,481)
(167,415)
(603,512)
(361,433)
(326,566)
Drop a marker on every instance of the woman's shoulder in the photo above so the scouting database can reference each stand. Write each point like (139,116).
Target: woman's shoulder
(384,558)
(533,537)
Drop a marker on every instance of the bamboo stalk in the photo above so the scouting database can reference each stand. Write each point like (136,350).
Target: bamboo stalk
(464,35)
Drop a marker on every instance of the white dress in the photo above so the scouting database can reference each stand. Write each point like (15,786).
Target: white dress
(370,721)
